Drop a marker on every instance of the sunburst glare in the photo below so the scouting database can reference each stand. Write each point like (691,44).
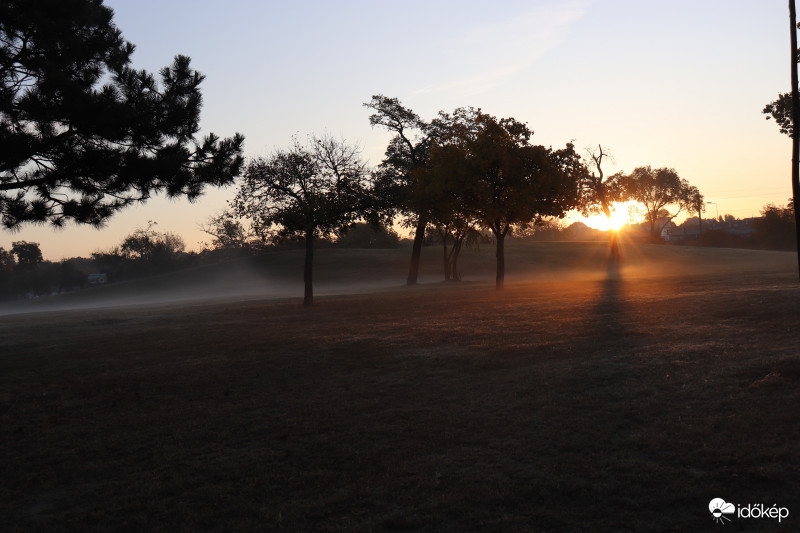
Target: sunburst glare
(622,213)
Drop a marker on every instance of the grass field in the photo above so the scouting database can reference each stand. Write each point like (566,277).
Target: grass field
(587,396)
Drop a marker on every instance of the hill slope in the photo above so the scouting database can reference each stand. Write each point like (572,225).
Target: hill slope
(338,271)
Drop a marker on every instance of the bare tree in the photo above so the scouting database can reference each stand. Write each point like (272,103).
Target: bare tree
(600,193)
(228,232)
(303,193)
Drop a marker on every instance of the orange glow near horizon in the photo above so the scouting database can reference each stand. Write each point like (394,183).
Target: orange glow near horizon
(622,214)
(619,218)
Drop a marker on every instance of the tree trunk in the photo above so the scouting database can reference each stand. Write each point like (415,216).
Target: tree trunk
(795,129)
(653,224)
(308,298)
(613,244)
(455,274)
(416,251)
(501,260)
(445,257)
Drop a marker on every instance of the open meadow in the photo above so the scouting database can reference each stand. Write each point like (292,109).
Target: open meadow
(589,395)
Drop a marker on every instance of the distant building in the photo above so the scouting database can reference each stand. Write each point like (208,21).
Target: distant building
(98,279)
(743,227)
(673,233)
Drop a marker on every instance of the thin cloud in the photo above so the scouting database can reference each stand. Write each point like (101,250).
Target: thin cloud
(493,53)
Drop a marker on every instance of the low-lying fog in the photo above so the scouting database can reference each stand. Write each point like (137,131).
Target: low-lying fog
(234,282)
(348,272)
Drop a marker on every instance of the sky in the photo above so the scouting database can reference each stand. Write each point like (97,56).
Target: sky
(677,84)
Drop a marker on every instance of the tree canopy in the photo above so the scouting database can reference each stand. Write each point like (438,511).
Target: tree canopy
(28,254)
(305,192)
(82,133)
(786,112)
(149,244)
(781,112)
(396,186)
(657,189)
(505,180)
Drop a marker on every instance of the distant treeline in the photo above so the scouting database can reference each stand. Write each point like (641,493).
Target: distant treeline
(147,252)
(773,230)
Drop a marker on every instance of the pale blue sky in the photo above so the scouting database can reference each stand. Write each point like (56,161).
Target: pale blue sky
(678,83)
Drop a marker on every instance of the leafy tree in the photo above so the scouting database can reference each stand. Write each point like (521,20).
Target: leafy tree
(775,229)
(396,184)
(111,263)
(147,244)
(546,229)
(68,275)
(447,186)
(7,265)
(781,111)
(6,261)
(82,134)
(28,254)
(507,181)
(305,192)
(697,204)
(656,189)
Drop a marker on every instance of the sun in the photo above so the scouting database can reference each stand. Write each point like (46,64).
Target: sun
(619,218)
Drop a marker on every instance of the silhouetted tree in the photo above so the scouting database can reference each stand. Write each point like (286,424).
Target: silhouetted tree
(6,272)
(775,229)
(28,254)
(453,233)
(68,275)
(786,112)
(147,244)
(697,204)
(396,185)
(545,229)
(229,233)
(6,260)
(146,251)
(656,189)
(444,182)
(82,134)
(507,181)
(600,193)
(305,192)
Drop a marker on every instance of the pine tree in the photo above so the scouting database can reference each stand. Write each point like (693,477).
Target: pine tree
(82,133)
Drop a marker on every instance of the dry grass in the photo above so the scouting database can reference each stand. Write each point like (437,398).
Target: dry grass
(612,402)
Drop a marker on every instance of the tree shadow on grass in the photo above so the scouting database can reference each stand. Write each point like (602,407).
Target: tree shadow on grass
(606,458)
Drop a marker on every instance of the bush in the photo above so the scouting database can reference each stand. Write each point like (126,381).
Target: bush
(775,230)
(722,239)
(364,235)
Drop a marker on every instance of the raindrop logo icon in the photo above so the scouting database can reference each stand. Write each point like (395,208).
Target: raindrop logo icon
(719,508)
